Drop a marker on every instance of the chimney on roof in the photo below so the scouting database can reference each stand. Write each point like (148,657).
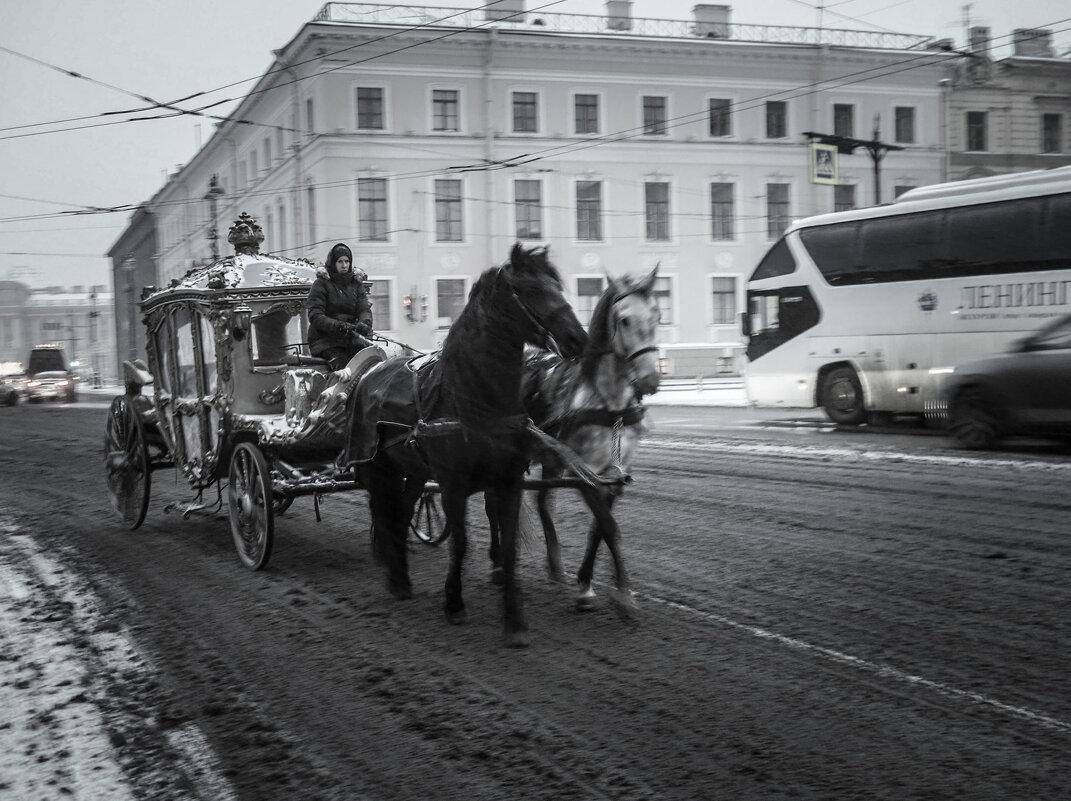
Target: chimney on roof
(504,11)
(712,22)
(619,15)
(1036,42)
(979,40)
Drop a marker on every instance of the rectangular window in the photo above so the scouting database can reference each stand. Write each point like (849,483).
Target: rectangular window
(253,166)
(528,207)
(444,110)
(905,124)
(777,219)
(1052,133)
(448,222)
(663,296)
(723,295)
(654,115)
(280,145)
(844,120)
(372,209)
(449,300)
(310,211)
(379,296)
(525,112)
(976,130)
(589,211)
(656,210)
(586,113)
(369,108)
(720,118)
(722,214)
(588,291)
(267,153)
(776,119)
(843,197)
(309,119)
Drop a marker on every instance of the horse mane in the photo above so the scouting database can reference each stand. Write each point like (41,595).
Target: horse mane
(529,266)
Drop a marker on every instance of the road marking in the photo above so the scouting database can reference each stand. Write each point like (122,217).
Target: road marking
(883,671)
(852,455)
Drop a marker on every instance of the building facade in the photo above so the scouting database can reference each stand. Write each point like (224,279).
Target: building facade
(432,141)
(1009,115)
(79,319)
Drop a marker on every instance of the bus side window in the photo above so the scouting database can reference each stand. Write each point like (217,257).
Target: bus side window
(835,251)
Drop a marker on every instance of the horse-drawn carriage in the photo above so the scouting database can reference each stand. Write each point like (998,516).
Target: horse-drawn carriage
(237,401)
(239,405)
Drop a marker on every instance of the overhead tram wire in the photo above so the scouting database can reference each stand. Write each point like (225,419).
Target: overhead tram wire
(625,135)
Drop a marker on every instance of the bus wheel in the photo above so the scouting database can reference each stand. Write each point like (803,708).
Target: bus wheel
(842,397)
(970,420)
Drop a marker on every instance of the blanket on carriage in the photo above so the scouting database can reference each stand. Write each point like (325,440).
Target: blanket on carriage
(389,407)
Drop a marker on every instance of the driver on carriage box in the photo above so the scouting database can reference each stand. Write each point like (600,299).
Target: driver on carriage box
(340,314)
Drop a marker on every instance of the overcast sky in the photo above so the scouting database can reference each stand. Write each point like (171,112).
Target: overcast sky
(63,150)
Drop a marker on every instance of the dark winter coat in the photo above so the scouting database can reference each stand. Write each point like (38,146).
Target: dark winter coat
(337,302)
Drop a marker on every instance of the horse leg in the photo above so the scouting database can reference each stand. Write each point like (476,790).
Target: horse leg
(454,504)
(495,551)
(386,500)
(555,571)
(600,501)
(507,507)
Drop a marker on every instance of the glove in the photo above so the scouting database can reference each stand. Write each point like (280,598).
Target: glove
(364,329)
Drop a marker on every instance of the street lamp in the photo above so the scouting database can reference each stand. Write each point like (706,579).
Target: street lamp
(93,344)
(212,196)
(129,267)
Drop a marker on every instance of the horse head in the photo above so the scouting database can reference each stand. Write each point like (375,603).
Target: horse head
(536,287)
(632,328)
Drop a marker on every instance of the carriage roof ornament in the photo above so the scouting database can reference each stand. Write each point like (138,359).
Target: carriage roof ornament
(246,235)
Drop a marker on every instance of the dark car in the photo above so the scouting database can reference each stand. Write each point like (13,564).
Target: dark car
(12,388)
(1025,391)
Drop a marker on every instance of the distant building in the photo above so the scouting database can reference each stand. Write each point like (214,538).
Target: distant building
(79,319)
(430,143)
(1009,115)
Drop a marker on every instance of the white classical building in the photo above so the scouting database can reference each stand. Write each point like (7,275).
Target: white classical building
(432,139)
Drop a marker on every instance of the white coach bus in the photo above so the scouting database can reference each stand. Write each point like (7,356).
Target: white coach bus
(861,312)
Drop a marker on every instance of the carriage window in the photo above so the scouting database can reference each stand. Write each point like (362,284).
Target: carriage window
(276,335)
(208,348)
(162,338)
(588,291)
(184,355)
(449,300)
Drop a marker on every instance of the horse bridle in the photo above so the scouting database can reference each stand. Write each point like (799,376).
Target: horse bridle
(641,351)
(548,337)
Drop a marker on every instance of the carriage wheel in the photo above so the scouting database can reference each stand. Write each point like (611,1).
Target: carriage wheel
(429,523)
(126,463)
(249,503)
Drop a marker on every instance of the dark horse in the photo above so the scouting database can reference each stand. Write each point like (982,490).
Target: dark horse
(457,418)
(594,407)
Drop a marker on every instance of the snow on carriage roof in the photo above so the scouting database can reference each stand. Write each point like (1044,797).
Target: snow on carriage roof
(242,271)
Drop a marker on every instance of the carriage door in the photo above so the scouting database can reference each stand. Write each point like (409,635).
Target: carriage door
(194,421)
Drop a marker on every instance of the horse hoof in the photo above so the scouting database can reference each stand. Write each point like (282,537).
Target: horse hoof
(624,603)
(586,600)
(557,576)
(401,592)
(457,617)
(516,639)
(498,576)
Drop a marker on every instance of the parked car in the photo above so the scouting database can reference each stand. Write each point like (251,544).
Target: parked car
(10,390)
(1025,391)
(57,385)
(49,376)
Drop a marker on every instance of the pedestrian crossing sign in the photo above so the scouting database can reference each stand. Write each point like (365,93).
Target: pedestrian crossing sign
(823,163)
